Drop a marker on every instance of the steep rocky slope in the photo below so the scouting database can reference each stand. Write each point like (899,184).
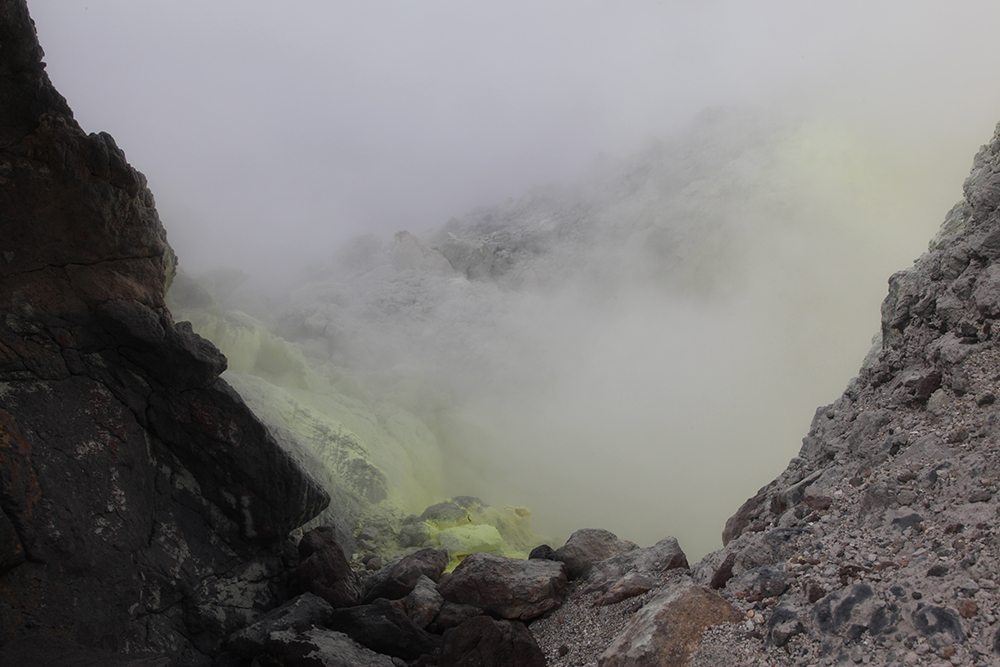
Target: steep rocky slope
(143,505)
(879,541)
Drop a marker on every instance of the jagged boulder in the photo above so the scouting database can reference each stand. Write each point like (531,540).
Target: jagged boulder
(651,562)
(588,546)
(485,642)
(666,631)
(324,569)
(507,587)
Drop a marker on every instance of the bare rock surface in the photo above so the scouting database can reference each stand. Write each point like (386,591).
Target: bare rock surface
(667,630)
(143,505)
(625,568)
(878,544)
(325,570)
(485,642)
(509,588)
(319,647)
(588,546)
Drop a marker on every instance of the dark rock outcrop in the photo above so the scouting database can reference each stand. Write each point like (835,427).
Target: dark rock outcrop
(143,504)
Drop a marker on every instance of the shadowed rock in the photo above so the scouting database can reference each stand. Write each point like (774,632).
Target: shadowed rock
(484,642)
(325,570)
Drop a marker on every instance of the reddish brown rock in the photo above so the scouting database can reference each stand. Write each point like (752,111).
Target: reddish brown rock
(666,632)
(507,587)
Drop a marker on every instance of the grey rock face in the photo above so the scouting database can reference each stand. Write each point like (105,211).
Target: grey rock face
(319,647)
(298,614)
(509,588)
(588,546)
(652,561)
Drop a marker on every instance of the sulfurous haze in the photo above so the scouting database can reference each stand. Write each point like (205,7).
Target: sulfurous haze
(700,202)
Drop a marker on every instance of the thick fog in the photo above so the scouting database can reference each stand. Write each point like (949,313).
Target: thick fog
(741,179)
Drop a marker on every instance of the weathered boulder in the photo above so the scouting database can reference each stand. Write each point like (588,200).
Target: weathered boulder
(319,647)
(297,615)
(653,562)
(409,253)
(397,579)
(507,587)
(485,642)
(324,569)
(666,631)
(588,546)
(424,602)
(383,628)
(452,615)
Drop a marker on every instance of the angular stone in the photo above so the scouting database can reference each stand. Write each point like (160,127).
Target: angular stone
(396,580)
(325,570)
(484,642)
(297,615)
(507,587)
(384,629)
(668,629)
(588,546)
(319,647)
(451,615)
(424,602)
(654,561)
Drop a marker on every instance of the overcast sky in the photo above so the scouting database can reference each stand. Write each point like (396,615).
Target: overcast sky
(268,129)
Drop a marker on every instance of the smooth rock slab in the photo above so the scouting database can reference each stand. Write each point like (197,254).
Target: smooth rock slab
(668,629)
(507,587)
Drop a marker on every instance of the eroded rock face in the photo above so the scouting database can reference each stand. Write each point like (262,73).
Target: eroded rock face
(79,225)
(143,505)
